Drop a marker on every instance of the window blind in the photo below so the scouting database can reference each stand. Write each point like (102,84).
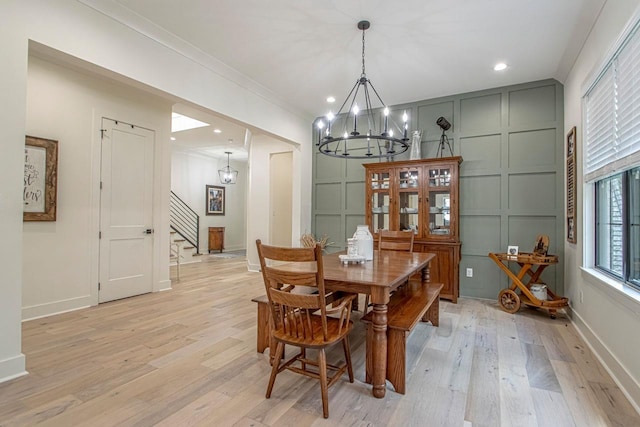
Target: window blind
(613,114)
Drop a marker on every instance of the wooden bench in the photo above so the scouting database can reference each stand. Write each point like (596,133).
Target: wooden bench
(408,305)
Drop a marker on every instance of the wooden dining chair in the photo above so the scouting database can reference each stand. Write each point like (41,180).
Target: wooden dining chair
(392,241)
(395,240)
(293,279)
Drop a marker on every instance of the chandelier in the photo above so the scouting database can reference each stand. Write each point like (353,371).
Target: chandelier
(375,138)
(228,175)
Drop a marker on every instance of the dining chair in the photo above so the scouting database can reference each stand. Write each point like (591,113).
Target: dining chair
(392,241)
(294,283)
(395,240)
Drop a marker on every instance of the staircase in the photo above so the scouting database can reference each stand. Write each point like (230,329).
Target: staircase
(181,251)
(185,232)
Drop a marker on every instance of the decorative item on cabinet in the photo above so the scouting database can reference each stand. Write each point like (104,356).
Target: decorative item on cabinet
(416,141)
(216,239)
(422,196)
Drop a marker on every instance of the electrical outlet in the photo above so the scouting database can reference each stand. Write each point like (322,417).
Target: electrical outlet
(469,272)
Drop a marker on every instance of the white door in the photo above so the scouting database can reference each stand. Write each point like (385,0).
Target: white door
(126,203)
(281,189)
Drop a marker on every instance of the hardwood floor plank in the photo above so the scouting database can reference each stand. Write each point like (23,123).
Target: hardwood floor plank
(556,348)
(539,369)
(578,395)
(584,358)
(618,409)
(527,330)
(443,337)
(551,409)
(516,402)
(195,411)
(483,396)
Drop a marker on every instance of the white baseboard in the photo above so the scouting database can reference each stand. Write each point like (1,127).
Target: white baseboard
(163,285)
(621,377)
(191,261)
(13,367)
(56,307)
(253,267)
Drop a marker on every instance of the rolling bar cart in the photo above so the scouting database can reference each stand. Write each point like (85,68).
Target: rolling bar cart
(531,265)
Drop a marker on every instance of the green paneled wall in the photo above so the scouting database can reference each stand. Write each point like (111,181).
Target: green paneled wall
(511,183)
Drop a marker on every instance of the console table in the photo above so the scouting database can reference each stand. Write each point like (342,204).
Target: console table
(216,239)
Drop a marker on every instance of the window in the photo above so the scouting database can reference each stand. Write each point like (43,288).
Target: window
(634,227)
(618,226)
(612,160)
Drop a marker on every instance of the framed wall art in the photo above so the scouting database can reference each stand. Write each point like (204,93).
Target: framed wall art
(39,195)
(215,200)
(571,186)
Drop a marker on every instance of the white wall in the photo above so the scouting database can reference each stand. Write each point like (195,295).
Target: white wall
(13,87)
(126,49)
(67,106)
(190,173)
(607,318)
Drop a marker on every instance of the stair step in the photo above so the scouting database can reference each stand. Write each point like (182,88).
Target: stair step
(188,247)
(179,241)
(196,255)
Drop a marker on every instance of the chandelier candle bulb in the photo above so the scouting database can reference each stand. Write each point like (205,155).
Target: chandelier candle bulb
(320,126)
(386,121)
(406,125)
(355,120)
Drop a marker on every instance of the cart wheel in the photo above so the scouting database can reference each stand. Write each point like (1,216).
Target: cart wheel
(509,301)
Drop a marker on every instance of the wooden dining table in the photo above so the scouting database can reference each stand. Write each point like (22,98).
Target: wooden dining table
(377,278)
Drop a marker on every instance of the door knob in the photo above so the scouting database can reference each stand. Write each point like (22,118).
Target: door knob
(148,231)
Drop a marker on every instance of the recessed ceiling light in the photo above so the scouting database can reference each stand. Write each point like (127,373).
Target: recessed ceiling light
(180,122)
(217,131)
(331,99)
(173,138)
(230,141)
(500,66)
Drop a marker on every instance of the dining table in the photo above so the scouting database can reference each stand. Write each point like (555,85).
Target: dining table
(378,278)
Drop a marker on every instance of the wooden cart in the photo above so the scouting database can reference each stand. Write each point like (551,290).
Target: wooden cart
(531,265)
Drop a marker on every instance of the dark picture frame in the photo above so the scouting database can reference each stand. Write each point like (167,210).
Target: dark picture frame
(40,190)
(571,186)
(215,200)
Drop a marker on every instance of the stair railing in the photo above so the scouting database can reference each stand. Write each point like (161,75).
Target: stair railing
(184,221)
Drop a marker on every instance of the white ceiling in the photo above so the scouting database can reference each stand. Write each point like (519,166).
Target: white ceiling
(205,141)
(304,50)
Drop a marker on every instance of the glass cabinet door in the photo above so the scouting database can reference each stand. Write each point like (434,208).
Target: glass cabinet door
(380,200)
(439,189)
(409,199)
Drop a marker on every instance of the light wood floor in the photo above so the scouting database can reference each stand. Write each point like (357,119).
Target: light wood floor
(187,357)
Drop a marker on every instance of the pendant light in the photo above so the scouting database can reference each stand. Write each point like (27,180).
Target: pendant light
(228,175)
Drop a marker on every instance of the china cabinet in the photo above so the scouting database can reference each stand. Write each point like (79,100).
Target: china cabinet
(420,195)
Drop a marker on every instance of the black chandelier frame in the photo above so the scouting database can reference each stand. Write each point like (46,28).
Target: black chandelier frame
(353,144)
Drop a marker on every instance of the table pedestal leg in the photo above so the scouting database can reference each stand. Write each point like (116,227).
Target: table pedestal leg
(379,349)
